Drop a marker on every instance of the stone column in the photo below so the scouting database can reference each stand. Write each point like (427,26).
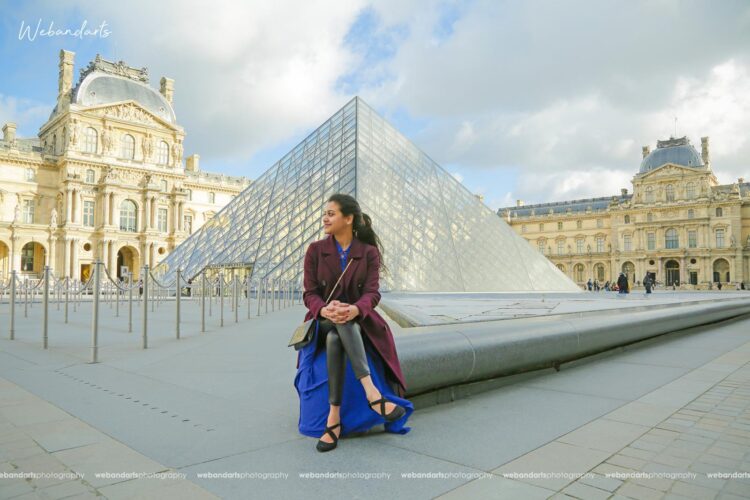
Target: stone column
(660,271)
(683,271)
(181,217)
(152,214)
(75,272)
(113,262)
(105,209)
(111,209)
(51,255)
(15,254)
(146,212)
(65,264)
(68,206)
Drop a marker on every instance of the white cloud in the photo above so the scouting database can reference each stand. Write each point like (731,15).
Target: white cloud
(248,75)
(25,113)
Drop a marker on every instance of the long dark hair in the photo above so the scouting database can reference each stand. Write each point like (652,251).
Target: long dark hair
(362,224)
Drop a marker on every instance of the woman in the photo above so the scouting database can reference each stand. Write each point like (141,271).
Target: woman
(348,377)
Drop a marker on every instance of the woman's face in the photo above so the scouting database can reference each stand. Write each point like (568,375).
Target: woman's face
(334,222)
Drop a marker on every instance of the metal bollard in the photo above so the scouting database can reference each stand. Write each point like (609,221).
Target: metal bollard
(236,298)
(26,297)
(95,313)
(144,331)
(221,298)
(12,305)
(67,298)
(45,313)
(178,293)
(130,302)
(203,302)
(273,294)
(248,284)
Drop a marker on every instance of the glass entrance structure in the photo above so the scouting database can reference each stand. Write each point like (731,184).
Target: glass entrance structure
(437,235)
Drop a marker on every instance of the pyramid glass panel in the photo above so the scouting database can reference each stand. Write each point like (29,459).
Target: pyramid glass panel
(437,235)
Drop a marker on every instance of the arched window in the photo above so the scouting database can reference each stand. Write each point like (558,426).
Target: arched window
(90,140)
(691,213)
(128,216)
(162,153)
(670,192)
(127,150)
(649,194)
(90,176)
(690,190)
(540,244)
(719,212)
(671,239)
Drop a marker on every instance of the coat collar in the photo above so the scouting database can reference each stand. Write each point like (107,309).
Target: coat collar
(331,258)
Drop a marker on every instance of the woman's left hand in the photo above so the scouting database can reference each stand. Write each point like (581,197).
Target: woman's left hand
(346,312)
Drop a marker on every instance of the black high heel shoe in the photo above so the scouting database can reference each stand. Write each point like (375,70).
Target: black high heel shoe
(322,445)
(397,412)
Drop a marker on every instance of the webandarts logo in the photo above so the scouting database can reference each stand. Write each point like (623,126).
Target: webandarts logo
(30,31)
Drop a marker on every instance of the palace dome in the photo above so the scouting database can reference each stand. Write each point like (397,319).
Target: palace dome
(677,151)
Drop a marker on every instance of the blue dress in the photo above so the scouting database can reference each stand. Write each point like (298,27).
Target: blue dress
(311,382)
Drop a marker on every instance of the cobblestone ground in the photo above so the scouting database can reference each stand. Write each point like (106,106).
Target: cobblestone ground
(708,437)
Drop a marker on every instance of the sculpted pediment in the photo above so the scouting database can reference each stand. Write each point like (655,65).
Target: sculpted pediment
(130,111)
(670,170)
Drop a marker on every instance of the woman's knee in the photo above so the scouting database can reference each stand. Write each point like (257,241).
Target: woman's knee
(333,340)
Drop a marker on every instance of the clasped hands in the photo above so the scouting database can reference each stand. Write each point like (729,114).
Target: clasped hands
(339,312)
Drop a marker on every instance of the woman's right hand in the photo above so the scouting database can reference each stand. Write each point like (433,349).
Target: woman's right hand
(330,312)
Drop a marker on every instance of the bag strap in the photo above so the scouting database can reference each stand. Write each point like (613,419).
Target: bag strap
(337,281)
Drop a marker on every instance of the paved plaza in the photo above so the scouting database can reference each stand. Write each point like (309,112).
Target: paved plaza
(215,414)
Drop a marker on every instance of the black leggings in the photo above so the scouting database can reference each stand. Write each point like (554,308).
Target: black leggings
(340,340)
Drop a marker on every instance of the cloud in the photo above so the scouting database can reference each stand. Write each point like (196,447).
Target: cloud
(566,93)
(25,113)
(248,75)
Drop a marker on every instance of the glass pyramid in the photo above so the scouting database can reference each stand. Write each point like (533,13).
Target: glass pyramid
(437,236)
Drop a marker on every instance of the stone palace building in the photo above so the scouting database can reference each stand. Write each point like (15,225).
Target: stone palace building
(679,225)
(105,178)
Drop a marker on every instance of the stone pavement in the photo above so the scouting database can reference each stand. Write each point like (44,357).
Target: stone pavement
(645,449)
(220,408)
(59,455)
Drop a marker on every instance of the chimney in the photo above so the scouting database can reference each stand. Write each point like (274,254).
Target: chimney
(624,191)
(646,151)
(519,203)
(9,132)
(167,88)
(65,78)
(192,163)
(704,151)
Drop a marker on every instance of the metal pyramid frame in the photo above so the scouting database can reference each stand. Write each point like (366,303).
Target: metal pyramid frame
(437,235)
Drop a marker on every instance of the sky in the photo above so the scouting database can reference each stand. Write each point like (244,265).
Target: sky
(534,100)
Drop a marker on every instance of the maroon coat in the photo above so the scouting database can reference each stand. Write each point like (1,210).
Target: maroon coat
(361,284)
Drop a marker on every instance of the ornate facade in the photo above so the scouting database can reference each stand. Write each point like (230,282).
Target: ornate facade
(105,178)
(679,224)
